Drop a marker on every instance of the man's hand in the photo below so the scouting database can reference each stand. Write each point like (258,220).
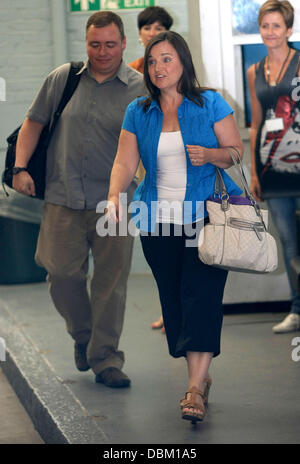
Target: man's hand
(26,143)
(23,183)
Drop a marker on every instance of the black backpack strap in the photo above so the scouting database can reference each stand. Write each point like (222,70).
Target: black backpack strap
(70,87)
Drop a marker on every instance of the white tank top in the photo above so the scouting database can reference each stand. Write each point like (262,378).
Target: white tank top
(171,177)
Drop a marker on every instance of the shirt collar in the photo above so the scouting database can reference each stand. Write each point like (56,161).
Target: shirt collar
(121,73)
(155,104)
(84,67)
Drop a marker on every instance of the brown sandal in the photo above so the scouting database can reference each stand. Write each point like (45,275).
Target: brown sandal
(196,401)
(208,382)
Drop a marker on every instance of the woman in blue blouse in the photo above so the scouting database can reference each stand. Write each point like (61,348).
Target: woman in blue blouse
(179,133)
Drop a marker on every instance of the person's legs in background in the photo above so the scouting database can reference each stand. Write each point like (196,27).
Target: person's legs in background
(283,215)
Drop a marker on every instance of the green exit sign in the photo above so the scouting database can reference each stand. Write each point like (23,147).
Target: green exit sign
(98,5)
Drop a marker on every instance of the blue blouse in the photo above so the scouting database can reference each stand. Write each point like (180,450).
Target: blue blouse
(197,128)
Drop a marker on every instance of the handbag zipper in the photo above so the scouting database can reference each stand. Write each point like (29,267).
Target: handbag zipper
(243,224)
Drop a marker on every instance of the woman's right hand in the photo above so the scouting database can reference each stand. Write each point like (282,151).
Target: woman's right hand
(255,187)
(114,210)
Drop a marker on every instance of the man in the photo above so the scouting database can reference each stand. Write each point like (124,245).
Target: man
(80,158)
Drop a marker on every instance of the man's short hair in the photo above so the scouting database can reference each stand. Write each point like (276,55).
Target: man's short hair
(105,18)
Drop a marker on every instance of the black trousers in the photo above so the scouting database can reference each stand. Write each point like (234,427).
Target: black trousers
(190,293)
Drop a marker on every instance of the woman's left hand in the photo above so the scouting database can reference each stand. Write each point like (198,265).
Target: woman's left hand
(198,155)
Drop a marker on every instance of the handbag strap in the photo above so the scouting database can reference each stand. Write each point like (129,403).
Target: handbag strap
(220,190)
(220,185)
(239,169)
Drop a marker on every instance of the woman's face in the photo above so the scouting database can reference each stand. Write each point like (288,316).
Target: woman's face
(164,66)
(149,31)
(273,30)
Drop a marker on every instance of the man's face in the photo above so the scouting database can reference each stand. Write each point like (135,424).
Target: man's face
(105,49)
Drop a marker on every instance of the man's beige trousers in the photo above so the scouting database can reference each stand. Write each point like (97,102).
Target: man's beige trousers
(65,239)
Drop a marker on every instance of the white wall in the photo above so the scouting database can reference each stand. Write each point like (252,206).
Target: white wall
(26,57)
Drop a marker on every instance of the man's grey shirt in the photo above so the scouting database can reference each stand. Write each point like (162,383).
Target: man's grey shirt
(84,143)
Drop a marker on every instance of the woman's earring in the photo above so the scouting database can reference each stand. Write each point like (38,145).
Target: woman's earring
(141,42)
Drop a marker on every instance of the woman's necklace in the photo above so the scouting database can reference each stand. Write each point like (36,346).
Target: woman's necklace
(274,83)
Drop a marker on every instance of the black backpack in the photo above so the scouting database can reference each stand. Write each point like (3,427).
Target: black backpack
(37,164)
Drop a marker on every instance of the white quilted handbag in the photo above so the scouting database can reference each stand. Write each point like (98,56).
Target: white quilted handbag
(236,236)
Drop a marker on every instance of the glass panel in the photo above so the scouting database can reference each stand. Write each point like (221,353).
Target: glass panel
(245,14)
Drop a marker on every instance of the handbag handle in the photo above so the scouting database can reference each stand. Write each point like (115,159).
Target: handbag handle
(219,183)
(240,170)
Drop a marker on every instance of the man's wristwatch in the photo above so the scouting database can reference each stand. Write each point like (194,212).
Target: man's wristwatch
(16,170)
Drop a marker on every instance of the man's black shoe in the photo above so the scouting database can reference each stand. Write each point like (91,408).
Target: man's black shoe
(113,377)
(80,357)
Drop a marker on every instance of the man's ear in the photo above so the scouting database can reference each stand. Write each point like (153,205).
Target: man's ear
(124,43)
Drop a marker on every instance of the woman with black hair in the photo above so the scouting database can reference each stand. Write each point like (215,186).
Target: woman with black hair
(151,21)
(180,132)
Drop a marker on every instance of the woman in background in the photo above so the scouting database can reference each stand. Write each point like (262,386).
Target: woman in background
(151,21)
(275,135)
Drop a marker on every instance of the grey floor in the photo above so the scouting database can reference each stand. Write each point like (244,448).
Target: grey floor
(16,426)
(255,397)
